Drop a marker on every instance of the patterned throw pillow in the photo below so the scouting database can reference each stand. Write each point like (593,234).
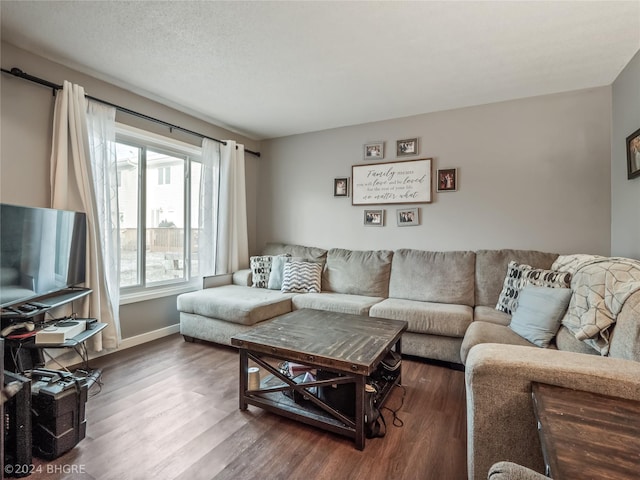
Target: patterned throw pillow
(260,270)
(548,278)
(302,277)
(520,275)
(513,283)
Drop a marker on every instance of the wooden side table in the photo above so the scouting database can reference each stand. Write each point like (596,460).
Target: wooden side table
(588,436)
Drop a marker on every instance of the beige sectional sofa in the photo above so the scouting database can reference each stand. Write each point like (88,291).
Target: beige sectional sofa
(449,300)
(440,294)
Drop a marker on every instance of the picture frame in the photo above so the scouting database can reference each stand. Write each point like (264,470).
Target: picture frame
(398,182)
(406,147)
(633,155)
(407,217)
(374,218)
(374,151)
(341,187)
(447,180)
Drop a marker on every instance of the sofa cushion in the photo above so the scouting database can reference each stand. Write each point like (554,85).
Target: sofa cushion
(358,272)
(491,268)
(335,302)
(625,339)
(491,315)
(236,304)
(484,332)
(539,313)
(309,254)
(302,277)
(442,277)
(426,317)
(566,341)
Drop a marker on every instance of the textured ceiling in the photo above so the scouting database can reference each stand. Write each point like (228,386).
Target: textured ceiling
(270,69)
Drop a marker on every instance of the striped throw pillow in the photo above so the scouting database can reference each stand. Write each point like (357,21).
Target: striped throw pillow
(301,277)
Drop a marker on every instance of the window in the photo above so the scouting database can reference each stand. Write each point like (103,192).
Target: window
(164,176)
(158,202)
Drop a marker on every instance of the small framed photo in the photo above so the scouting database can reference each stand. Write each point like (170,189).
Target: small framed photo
(374,151)
(447,180)
(374,218)
(633,155)
(341,187)
(408,146)
(407,217)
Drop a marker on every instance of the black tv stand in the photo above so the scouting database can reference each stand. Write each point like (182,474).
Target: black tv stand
(40,305)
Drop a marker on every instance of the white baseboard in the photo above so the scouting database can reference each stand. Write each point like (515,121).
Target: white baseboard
(65,358)
(148,337)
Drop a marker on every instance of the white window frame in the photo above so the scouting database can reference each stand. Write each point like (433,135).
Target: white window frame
(134,135)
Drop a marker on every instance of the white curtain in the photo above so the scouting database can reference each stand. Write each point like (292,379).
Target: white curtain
(83,178)
(208,211)
(228,216)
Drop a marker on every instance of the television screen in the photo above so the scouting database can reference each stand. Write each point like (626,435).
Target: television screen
(42,250)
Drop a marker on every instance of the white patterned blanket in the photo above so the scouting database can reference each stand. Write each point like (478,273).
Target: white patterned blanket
(600,287)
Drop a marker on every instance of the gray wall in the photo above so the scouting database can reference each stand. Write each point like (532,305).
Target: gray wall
(625,194)
(533,173)
(26,117)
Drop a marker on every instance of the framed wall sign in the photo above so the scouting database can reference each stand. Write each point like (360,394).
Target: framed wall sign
(633,155)
(406,181)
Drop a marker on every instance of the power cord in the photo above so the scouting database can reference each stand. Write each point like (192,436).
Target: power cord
(397,421)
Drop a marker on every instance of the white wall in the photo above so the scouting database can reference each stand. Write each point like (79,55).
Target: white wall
(625,194)
(533,174)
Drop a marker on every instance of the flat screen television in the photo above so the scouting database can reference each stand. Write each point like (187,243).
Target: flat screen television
(42,250)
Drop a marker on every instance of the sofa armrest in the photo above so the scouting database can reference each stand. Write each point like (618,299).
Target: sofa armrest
(243,278)
(513,471)
(501,424)
(217,280)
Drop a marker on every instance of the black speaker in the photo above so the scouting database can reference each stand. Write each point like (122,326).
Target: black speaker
(17,428)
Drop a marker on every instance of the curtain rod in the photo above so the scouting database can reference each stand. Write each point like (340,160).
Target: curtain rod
(16,72)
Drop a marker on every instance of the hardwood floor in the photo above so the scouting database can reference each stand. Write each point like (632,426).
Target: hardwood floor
(169,410)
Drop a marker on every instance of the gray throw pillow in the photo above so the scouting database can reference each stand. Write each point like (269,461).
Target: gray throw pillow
(540,311)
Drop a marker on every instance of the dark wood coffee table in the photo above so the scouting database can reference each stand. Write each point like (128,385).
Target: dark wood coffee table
(350,346)
(586,435)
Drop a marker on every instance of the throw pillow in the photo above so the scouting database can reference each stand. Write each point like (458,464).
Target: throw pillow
(513,283)
(539,314)
(260,270)
(548,278)
(301,277)
(520,275)
(277,271)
